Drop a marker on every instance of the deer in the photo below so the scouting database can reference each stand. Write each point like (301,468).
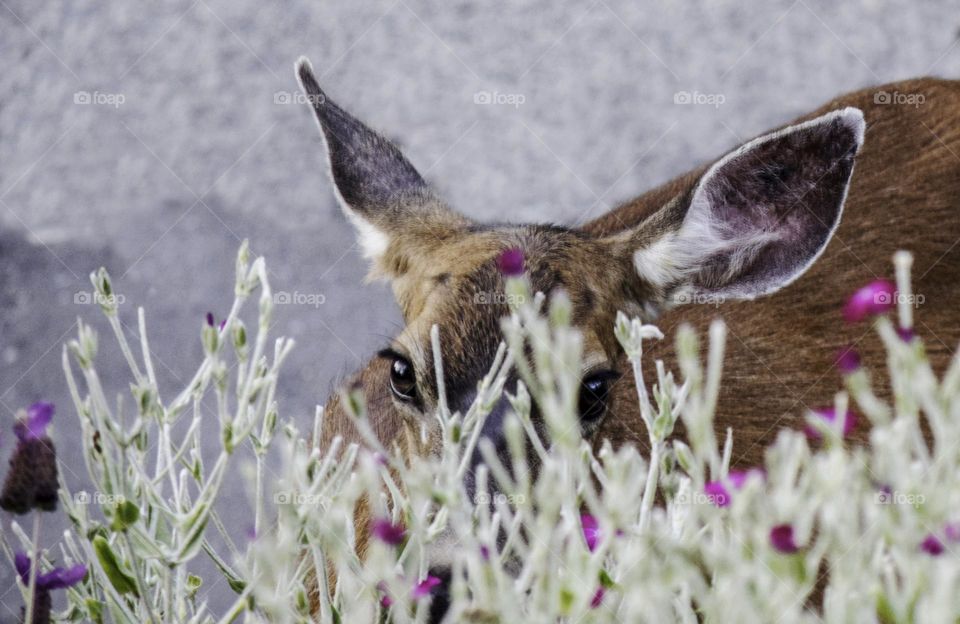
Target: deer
(772,236)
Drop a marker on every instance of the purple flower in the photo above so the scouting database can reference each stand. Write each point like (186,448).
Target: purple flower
(485,552)
(58,578)
(210,319)
(952,531)
(717,491)
(385,600)
(34,425)
(782,540)
(932,545)
(387,532)
(848,360)
(829,414)
(510,262)
(875,298)
(597,599)
(421,590)
(425,587)
(591,531)
(32,482)
(906,334)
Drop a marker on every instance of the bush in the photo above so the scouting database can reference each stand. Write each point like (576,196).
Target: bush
(591,537)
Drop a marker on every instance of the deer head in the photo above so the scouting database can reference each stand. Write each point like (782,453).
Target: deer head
(748,225)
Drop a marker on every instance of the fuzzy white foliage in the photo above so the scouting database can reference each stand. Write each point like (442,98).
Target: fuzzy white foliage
(861,512)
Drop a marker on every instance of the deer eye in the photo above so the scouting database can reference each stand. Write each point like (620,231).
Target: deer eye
(403,379)
(594,391)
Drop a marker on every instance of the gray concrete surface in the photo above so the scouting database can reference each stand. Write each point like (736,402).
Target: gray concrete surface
(204,151)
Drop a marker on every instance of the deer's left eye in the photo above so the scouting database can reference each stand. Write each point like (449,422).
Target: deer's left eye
(403,379)
(594,392)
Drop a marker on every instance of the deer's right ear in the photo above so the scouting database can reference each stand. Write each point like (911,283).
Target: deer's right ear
(381,193)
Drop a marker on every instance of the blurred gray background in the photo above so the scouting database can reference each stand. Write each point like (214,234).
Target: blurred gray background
(151,138)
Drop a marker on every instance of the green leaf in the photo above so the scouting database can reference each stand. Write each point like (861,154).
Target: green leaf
(125,515)
(121,581)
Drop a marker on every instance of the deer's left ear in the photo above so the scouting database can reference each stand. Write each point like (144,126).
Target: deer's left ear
(758,218)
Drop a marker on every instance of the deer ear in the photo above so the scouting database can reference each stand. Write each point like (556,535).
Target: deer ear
(758,218)
(381,193)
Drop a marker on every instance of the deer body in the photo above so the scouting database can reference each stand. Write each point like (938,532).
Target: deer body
(779,231)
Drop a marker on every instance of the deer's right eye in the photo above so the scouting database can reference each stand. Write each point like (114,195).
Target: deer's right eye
(403,380)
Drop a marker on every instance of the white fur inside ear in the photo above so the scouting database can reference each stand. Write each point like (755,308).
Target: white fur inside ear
(675,255)
(372,240)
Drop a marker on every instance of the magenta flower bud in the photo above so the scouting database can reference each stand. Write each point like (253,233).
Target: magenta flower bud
(425,587)
(387,532)
(597,599)
(717,491)
(932,545)
(385,600)
(906,334)
(210,319)
(829,414)
(875,298)
(782,539)
(952,531)
(510,262)
(485,552)
(591,531)
(848,360)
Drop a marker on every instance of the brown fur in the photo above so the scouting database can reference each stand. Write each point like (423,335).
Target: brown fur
(781,349)
(904,194)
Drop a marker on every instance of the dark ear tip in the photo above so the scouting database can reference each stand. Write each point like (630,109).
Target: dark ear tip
(305,75)
(852,118)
